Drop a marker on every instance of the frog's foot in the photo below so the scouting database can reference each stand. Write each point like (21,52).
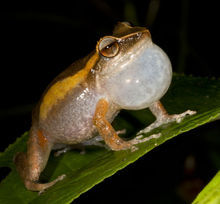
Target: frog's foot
(48,185)
(62,151)
(141,139)
(96,141)
(162,117)
(121,132)
(179,117)
(99,141)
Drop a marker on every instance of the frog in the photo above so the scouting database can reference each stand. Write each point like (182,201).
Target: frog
(126,70)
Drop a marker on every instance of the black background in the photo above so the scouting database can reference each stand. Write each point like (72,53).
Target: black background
(38,41)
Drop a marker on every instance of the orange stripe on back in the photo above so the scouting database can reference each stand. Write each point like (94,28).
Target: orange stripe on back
(41,139)
(61,88)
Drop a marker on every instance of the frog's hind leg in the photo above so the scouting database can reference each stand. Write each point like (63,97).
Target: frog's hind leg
(162,117)
(95,141)
(67,148)
(29,165)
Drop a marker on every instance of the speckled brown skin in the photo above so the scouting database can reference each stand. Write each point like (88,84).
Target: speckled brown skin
(81,108)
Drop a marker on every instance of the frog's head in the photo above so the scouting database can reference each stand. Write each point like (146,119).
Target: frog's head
(133,71)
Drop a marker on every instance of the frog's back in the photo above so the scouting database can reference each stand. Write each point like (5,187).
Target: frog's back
(71,70)
(66,108)
(70,121)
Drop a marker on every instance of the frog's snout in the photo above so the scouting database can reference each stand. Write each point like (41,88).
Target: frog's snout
(146,33)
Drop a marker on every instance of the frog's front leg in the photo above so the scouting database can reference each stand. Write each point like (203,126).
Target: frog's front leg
(97,141)
(30,165)
(162,117)
(106,130)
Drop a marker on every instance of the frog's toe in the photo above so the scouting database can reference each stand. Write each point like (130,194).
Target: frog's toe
(141,138)
(62,151)
(179,117)
(121,132)
(164,119)
(43,187)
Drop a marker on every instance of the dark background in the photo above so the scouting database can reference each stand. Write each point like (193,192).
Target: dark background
(37,42)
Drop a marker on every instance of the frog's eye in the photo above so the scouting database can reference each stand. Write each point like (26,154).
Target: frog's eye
(108,47)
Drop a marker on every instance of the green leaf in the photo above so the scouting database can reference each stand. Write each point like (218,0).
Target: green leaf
(211,193)
(85,171)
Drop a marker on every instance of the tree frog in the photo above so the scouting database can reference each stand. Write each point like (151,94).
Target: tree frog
(125,71)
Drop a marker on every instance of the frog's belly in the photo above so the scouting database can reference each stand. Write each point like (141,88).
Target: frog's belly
(70,122)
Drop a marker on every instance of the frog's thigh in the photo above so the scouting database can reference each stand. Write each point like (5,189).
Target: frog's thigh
(31,164)
(37,154)
(106,130)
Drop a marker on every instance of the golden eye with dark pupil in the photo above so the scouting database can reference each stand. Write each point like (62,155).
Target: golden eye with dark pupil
(108,47)
(110,50)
